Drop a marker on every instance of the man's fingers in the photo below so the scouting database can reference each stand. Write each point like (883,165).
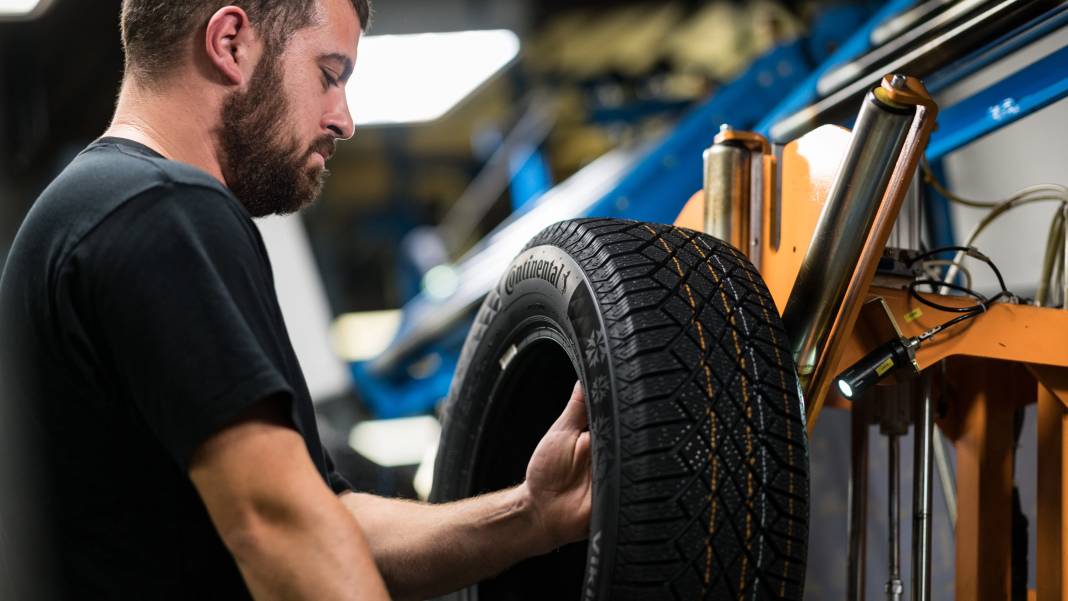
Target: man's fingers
(574,415)
(582,449)
(577,392)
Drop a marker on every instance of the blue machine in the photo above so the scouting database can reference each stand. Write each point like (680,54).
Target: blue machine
(652,183)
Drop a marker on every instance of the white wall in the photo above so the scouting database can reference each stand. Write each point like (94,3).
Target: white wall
(304,305)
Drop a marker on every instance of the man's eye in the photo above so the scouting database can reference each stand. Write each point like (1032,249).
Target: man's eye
(328,80)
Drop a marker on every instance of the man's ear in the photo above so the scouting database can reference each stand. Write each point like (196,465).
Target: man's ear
(230,45)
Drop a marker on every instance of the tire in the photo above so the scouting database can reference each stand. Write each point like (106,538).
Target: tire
(700,462)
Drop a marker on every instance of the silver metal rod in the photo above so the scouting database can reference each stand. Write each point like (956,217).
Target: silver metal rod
(858,502)
(894,586)
(843,227)
(756,208)
(945,476)
(906,39)
(907,19)
(921,498)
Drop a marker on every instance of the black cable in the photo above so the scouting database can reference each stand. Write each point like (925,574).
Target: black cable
(970,251)
(976,311)
(947,308)
(940,249)
(967,312)
(949,324)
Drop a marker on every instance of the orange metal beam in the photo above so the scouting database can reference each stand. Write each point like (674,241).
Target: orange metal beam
(1052,529)
(979,421)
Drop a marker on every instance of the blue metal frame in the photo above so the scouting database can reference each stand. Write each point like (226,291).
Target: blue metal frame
(1007,101)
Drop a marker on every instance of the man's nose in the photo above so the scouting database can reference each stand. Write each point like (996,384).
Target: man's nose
(339,120)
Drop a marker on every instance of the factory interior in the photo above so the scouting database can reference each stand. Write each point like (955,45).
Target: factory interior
(806,261)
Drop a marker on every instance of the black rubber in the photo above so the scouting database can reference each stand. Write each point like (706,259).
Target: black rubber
(699,450)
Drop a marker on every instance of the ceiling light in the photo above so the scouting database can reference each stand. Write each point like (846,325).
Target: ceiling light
(22,9)
(420,77)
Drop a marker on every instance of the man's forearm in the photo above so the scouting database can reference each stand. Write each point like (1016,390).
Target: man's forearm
(423,550)
(306,555)
(288,533)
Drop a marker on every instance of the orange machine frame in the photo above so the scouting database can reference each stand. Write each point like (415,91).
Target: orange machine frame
(1010,356)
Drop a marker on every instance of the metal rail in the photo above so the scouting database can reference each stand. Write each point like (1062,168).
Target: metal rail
(955,43)
(918,31)
(921,497)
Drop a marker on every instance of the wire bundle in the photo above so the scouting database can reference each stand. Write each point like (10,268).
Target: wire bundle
(1053,266)
(943,285)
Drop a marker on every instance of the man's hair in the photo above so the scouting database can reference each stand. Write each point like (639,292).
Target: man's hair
(154,31)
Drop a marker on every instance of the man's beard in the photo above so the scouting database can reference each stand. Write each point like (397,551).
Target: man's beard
(265,167)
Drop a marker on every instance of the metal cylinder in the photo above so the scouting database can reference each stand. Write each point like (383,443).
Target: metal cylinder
(894,587)
(726,189)
(921,498)
(843,227)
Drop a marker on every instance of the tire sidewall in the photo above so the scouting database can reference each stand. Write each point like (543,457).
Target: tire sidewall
(544,293)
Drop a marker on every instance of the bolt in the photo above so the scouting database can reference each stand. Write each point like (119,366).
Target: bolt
(898,82)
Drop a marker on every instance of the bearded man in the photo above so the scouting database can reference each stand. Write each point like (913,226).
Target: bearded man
(172,430)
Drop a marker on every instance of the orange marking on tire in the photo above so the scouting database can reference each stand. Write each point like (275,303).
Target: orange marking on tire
(749,420)
(708,410)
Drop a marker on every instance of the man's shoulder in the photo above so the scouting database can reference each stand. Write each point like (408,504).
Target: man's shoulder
(122,170)
(120,184)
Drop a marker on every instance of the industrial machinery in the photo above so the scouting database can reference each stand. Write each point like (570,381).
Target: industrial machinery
(854,317)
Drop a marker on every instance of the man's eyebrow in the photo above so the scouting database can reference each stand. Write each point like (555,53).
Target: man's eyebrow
(344,61)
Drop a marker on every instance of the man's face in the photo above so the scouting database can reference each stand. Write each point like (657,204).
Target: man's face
(277,135)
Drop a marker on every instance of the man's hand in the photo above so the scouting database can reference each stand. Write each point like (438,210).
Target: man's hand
(427,550)
(559,476)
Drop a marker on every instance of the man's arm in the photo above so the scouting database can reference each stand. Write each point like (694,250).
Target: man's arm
(426,550)
(289,533)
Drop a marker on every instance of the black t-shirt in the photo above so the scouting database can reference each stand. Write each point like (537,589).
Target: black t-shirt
(138,317)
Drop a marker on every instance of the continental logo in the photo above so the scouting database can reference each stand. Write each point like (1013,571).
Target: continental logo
(544,269)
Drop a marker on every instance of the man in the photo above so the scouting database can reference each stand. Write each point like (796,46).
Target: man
(146,348)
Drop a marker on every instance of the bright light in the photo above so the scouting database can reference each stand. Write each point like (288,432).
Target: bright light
(417,78)
(847,390)
(362,336)
(393,442)
(22,8)
(441,282)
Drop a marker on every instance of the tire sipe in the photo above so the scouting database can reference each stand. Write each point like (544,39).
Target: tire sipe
(700,462)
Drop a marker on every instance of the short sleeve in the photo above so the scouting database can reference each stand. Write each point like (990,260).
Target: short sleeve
(179,292)
(338,483)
